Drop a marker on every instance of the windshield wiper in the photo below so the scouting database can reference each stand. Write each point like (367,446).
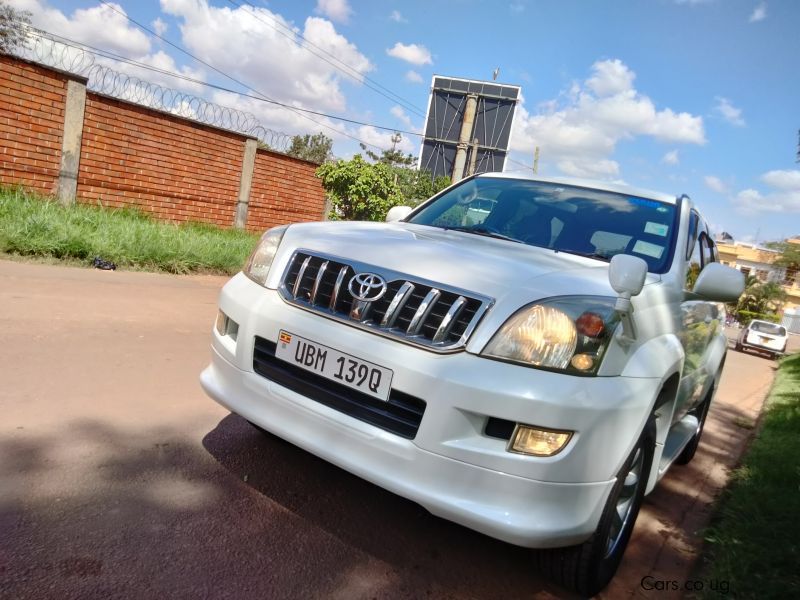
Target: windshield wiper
(484,231)
(596,255)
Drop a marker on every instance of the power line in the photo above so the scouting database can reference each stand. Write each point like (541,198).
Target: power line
(342,66)
(238,82)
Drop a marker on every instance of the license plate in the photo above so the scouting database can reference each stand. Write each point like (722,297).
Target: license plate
(765,340)
(346,369)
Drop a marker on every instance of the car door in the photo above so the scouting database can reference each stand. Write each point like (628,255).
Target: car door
(700,321)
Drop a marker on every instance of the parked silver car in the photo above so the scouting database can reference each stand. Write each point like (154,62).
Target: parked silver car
(525,357)
(763,336)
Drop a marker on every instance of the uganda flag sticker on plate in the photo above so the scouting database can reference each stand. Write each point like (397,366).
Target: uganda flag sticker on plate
(285,338)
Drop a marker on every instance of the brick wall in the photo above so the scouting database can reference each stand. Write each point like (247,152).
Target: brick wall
(31,123)
(172,167)
(284,190)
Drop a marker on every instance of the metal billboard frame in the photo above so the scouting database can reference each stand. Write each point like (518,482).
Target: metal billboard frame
(458,155)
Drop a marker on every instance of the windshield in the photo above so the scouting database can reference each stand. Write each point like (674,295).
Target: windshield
(771,328)
(577,220)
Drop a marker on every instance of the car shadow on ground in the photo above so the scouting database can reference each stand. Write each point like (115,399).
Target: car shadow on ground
(430,556)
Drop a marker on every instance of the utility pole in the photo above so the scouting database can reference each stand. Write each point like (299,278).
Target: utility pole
(473,157)
(536,161)
(463,139)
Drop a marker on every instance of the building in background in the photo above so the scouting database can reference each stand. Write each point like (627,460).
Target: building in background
(752,259)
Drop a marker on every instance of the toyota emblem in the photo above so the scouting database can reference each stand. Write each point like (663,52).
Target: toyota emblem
(367,287)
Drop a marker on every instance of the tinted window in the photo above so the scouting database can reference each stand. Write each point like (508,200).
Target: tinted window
(690,243)
(770,328)
(583,221)
(706,249)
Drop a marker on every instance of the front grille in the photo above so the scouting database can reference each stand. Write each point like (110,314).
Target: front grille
(419,312)
(401,415)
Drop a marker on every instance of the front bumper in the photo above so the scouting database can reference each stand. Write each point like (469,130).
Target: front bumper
(450,467)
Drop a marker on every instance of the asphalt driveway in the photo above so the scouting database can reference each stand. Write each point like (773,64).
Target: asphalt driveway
(120,478)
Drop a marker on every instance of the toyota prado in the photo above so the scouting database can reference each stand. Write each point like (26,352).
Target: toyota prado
(525,357)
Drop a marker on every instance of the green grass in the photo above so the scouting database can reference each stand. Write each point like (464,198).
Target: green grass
(754,541)
(33,226)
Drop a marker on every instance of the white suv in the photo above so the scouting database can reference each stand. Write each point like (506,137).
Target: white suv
(529,371)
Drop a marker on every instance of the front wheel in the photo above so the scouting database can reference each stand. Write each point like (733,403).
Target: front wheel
(588,567)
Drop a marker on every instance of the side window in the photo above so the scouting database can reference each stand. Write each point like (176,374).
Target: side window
(693,254)
(707,249)
(694,219)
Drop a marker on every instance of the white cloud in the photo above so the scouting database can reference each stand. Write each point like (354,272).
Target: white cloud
(383,139)
(784,197)
(729,112)
(159,26)
(715,184)
(335,10)
(413,77)
(611,77)
(402,116)
(598,169)
(671,158)
(397,17)
(412,53)
(100,26)
(783,180)
(579,131)
(245,47)
(759,13)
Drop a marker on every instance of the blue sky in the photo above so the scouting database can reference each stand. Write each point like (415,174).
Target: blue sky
(682,96)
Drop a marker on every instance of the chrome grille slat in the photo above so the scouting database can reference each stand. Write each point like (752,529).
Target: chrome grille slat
(448,319)
(300,274)
(397,304)
(336,287)
(317,281)
(411,310)
(423,311)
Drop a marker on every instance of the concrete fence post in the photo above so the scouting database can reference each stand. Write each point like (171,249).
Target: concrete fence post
(245,183)
(74,108)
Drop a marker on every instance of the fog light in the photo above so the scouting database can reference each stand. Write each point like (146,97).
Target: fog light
(538,442)
(227,326)
(221,319)
(582,362)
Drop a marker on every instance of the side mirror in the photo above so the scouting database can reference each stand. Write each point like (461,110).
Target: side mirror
(719,283)
(626,274)
(398,212)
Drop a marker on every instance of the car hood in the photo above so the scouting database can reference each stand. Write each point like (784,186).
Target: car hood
(511,273)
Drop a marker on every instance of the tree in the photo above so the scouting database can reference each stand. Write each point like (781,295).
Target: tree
(358,190)
(315,148)
(415,185)
(760,300)
(13,25)
(392,157)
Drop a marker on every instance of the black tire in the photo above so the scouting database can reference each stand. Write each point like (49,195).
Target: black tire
(701,412)
(588,567)
(738,347)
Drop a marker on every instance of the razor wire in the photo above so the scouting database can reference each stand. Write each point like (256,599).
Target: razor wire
(45,49)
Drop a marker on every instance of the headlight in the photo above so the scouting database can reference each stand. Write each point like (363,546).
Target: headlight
(569,334)
(257,266)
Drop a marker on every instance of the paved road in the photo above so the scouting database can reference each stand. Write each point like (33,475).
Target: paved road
(119,478)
